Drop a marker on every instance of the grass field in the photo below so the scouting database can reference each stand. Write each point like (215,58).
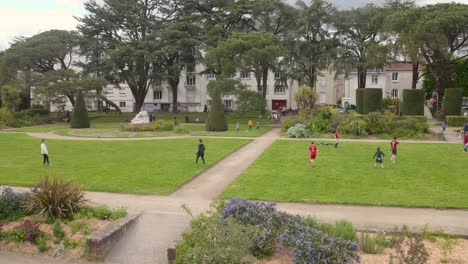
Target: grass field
(425,175)
(143,167)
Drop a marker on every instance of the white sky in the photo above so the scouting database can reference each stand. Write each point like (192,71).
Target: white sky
(30,17)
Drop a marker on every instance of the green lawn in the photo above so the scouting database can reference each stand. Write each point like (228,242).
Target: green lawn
(143,167)
(425,175)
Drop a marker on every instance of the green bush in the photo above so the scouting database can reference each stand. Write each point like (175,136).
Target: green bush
(360,100)
(250,101)
(345,230)
(41,243)
(413,102)
(212,240)
(181,130)
(57,230)
(158,126)
(456,120)
(373,244)
(104,212)
(6,118)
(379,123)
(57,198)
(81,226)
(298,131)
(13,235)
(453,100)
(355,125)
(80,117)
(291,121)
(11,205)
(371,100)
(216,118)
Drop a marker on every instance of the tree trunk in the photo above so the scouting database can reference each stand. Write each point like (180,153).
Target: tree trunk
(265,82)
(174,84)
(362,74)
(259,83)
(72,99)
(117,108)
(139,101)
(415,75)
(313,78)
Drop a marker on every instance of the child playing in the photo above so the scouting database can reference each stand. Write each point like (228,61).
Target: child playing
(337,138)
(237,128)
(378,158)
(313,153)
(393,147)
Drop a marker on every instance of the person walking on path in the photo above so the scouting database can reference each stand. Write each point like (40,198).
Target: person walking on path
(337,138)
(237,128)
(201,152)
(444,127)
(378,156)
(258,125)
(313,153)
(45,153)
(465,142)
(250,124)
(393,147)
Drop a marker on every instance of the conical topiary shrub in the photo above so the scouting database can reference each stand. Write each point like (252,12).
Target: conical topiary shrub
(216,118)
(80,117)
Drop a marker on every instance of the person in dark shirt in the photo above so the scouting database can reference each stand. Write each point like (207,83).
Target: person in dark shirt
(201,152)
(393,147)
(378,156)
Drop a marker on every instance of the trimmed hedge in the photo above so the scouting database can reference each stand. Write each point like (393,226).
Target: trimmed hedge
(359,100)
(216,118)
(453,100)
(80,117)
(371,100)
(456,120)
(413,102)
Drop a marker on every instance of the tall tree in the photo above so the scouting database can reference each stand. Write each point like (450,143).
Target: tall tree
(435,33)
(126,27)
(313,45)
(362,40)
(274,16)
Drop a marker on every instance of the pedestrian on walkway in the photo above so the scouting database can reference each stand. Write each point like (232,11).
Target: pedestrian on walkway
(258,125)
(465,142)
(444,127)
(337,138)
(201,152)
(393,147)
(45,153)
(313,153)
(378,156)
(237,128)
(250,124)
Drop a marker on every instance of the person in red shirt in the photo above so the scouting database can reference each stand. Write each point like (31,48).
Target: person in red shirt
(313,153)
(337,138)
(393,147)
(465,142)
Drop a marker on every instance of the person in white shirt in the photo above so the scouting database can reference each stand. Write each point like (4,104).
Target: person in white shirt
(45,153)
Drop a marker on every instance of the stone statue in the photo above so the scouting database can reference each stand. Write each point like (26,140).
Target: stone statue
(141,118)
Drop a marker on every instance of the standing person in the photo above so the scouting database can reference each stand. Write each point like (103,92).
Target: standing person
(337,138)
(237,128)
(378,156)
(201,152)
(250,124)
(465,142)
(67,117)
(313,153)
(45,153)
(465,128)
(393,147)
(444,127)
(258,125)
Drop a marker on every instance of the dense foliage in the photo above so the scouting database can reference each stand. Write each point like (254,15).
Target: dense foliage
(11,205)
(80,117)
(250,101)
(456,120)
(306,98)
(216,117)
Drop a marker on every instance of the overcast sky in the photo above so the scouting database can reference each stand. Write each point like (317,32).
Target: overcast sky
(30,17)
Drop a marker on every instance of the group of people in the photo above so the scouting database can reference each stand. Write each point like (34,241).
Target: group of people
(249,124)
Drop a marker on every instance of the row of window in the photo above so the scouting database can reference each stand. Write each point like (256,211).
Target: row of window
(375,78)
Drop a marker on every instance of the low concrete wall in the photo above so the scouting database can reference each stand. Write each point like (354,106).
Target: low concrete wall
(102,241)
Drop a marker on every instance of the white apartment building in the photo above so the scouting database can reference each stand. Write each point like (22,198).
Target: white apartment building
(393,79)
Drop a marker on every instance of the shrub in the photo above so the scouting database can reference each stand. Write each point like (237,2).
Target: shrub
(373,244)
(213,239)
(81,226)
(104,213)
(41,242)
(355,125)
(13,235)
(306,244)
(372,100)
(70,243)
(298,131)
(57,198)
(80,117)
(250,101)
(409,248)
(216,119)
(6,118)
(118,213)
(345,230)
(413,102)
(31,231)
(456,120)
(453,100)
(379,123)
(11,205)
(306,98)
(58,232)
(290,122)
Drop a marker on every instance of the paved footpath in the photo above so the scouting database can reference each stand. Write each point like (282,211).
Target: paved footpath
(163,220)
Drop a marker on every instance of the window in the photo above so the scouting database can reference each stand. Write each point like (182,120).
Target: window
(395,76)
(227,103)
(245,75)
(211,76)
(122,93)
(375,79)
(277,75)
(280,89)
(232,75)
(395,93)
(191,81)
(122,104)
(157,95)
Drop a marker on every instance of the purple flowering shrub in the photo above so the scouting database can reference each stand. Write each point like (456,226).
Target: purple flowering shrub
(307,245)
(11,205)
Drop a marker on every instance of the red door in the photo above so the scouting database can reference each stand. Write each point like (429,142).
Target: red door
(277,104)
